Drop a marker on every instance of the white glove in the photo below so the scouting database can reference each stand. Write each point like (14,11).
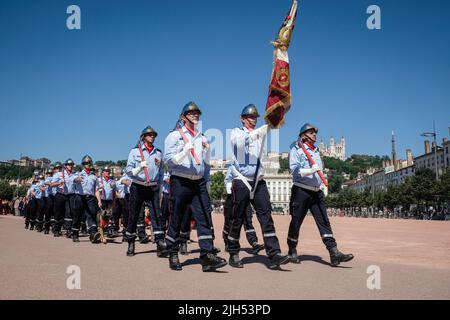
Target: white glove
(136,170)
(324,188)
(309,171)
(179,157)
(188,147)
(315,167)
(144,164)
(228,187)
(259,133)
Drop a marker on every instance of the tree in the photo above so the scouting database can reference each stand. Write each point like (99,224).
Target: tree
(284,165)
(335,183)
(122,163)
(442,189)
(6,191)
(218,190)
(422,186)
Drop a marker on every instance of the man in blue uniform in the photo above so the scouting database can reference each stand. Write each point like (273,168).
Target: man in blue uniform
(250,231)
(41,195)
(48,199)
(249,187)
(306,194)
(86,201)
(121,209)
(144,168)
(63,181)
(107,189)
(187,156)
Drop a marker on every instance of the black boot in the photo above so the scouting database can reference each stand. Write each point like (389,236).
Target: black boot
(57,233)
(256,248)
(212,262)
(174,262)
(143,238)
(46,230)
(26,225)
(293,257)
(75,236)
(32,227)
(38,228)
(183,249)
(130,251)
(161,249)
(215,250)
(278,260)
(68,234)
(234,261)
(95,237)
(336,257)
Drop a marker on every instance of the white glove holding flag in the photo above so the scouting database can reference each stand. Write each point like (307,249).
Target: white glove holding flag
(259,133)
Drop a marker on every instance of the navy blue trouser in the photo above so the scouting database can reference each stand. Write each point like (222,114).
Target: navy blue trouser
(61,202)
(40,212)
(301,201)
(250,231)
(185,193)
(139,194)
(48,211)
(84,207)
(121,210)
(261,203)
(165,210)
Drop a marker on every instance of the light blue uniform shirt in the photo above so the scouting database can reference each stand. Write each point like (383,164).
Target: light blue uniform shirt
(109,187)
(38,193)
(89,184)
(228,180)
(48,191)
(298,160)
(123,189)
(188,168)
(29,194)
(166,185)
(154,165)
(69,185)
(245,153)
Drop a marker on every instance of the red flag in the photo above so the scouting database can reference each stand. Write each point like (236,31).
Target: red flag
(279,100)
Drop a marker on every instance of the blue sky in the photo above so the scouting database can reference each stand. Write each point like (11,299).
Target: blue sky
(67,93)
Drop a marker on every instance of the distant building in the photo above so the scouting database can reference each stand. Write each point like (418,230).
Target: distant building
(333,150)
(25,161)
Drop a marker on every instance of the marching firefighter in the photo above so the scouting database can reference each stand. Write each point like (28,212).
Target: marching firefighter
(250,232)
(48,200)
(144,168)
(32,203)
(249,187)
(307,194)
(86,201)
(41,196)
(121,209)
(165,204)
(107,190)
(63,181)
(187,156)
(28,205)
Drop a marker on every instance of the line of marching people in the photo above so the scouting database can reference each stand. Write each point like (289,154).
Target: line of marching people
(171,200)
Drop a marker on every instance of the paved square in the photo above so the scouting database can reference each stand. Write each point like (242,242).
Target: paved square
(413,256)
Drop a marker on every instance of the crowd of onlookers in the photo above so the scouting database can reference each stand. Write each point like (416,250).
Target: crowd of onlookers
(14,207)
